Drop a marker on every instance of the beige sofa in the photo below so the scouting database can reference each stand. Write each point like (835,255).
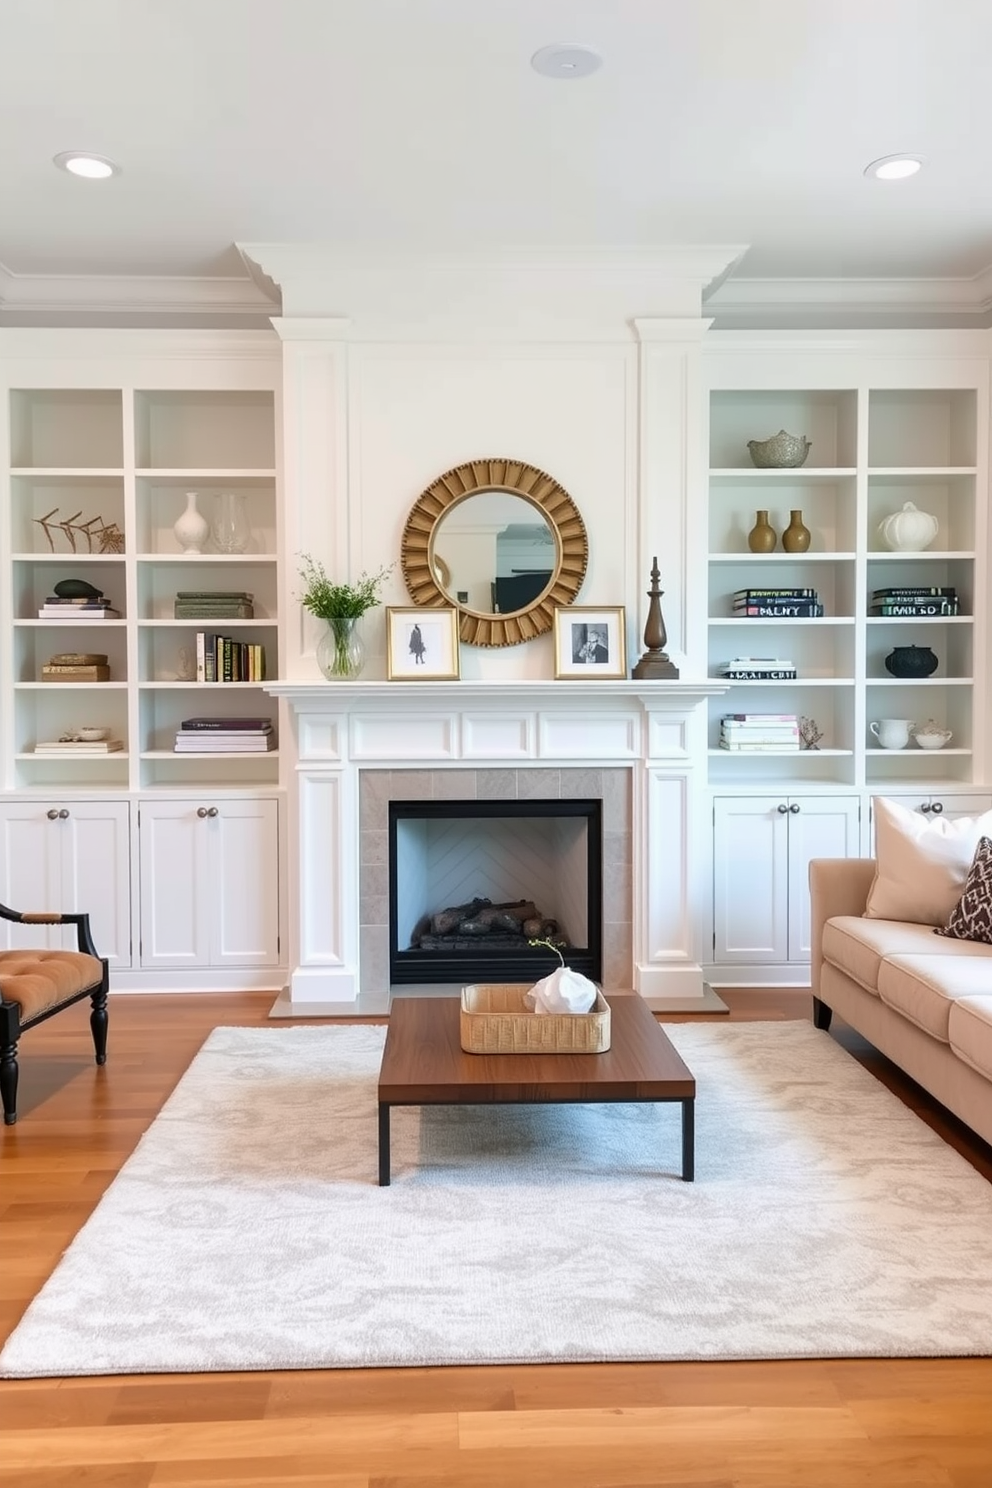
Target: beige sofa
(922,999)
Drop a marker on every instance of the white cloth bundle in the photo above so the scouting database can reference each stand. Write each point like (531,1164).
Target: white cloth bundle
(564,991)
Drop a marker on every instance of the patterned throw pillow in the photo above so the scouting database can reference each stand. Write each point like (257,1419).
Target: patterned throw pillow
(971,918)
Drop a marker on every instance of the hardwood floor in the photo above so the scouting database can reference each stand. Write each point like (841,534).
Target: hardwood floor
(830,1424)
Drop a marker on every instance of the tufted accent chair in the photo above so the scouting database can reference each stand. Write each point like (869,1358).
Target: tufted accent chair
(36,984)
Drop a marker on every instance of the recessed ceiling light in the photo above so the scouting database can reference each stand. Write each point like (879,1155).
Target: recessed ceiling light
(566,59)
(92,167)
(894,167)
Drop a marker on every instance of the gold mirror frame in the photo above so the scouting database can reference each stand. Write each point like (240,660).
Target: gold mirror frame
(518,479)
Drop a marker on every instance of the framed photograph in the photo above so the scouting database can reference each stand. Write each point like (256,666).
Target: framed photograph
(422,644)
(590,642)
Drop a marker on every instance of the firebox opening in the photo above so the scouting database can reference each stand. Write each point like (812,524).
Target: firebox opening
(444,855)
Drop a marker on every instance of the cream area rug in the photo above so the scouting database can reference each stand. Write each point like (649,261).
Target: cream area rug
(248,1231)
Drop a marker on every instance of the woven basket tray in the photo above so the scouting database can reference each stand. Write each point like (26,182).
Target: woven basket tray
(494,1020)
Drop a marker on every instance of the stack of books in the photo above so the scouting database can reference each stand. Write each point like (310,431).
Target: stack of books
(793,604)
(758,669)
(757,733)
(214,604)
(914,600)
(95,608)
(83,747)
(220,658)
(76,666)
(213,735)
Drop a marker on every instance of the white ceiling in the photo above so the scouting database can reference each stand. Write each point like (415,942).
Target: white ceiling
(419,124)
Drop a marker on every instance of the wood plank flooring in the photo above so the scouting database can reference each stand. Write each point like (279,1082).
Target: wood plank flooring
(830,1424)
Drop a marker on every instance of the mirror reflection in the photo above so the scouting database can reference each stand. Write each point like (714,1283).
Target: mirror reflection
(494,553)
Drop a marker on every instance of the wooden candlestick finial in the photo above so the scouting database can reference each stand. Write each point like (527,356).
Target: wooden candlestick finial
(655,663)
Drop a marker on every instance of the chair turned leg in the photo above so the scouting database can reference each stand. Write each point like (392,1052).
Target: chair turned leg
(98,1025)
(821,1014)
(8,1083)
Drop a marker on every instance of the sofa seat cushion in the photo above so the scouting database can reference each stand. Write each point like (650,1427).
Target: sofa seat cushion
(925,988)
(970,1029)
(856,946)
(39,980)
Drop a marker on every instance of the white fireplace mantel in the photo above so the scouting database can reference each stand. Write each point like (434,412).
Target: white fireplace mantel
(656,730)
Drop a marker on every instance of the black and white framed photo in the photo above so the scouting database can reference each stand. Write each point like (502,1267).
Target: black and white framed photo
(590,642)
(422,644)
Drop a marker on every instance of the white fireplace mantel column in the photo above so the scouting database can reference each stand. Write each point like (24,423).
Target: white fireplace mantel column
(657,730)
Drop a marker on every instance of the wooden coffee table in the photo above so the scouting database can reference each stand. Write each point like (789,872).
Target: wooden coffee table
(424,1064)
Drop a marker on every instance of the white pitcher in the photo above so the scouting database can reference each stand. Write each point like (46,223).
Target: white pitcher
(892,733)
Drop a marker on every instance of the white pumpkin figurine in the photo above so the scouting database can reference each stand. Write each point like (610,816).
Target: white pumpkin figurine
(909,530)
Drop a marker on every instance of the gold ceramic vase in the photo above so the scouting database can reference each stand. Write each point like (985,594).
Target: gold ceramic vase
(762,538)
(795,538)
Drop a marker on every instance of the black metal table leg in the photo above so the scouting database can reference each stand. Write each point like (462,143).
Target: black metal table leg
(383,1145)
(688,1140)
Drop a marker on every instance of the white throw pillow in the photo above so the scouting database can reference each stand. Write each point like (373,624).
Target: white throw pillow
(922,863)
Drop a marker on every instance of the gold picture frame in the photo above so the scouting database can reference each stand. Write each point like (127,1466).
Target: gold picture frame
(422,644)
(590,641)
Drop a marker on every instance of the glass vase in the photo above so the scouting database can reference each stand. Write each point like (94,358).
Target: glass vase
(229,529)
(340,650)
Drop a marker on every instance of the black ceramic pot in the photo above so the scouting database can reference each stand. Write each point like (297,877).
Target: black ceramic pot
(911,661)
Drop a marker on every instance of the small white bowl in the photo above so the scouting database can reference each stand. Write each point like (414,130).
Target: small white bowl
(92,735)
(932,741)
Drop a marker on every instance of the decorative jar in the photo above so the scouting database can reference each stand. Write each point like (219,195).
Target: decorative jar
(229,529)
(911,661)
(762,537)
(781,452)
(796,537)
(930,735)
(192,528)
(340,650)
(909,530)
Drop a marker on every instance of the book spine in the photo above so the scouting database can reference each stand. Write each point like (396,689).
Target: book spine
(939,607)
(915,589)
(743,675)
(747,594)
(201,656)
(759,718)
(800,610)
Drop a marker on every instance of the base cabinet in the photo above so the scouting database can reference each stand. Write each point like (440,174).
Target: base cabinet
(209,883)
(68,855)
(762,846)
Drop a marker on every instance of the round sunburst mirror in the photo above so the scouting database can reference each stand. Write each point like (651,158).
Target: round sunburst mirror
(501,541)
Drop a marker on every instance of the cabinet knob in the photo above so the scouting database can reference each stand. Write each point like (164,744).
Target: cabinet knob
(212,811)
(936,807)
(201,812)
(63,814)
(794,808)
(52,813)
(926,808)
(783,809)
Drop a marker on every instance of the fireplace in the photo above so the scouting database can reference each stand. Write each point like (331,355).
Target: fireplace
(472,882)
(635,746)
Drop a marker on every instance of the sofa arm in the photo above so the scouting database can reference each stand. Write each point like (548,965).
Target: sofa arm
(837,886)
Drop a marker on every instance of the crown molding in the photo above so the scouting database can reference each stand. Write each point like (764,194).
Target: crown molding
(958,301)
(135,295)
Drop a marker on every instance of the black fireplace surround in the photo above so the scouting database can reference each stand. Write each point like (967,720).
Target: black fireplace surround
(414,964)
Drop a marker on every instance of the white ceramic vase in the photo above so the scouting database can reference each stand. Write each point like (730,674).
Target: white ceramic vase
(192,527)
(909,530)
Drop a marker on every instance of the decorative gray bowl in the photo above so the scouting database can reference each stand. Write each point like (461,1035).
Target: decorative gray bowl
(781,452)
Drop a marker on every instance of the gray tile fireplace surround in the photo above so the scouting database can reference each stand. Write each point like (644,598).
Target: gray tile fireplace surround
(377,788)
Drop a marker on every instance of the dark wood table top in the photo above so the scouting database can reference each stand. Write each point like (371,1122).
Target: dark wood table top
(424,1063)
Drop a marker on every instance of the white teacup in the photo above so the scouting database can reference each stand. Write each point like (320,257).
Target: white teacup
(892,733)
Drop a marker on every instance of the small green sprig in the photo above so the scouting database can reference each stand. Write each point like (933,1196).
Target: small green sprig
(549,945)
(330,601)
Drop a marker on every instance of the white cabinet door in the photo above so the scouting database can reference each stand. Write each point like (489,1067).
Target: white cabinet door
(932,806)
(70,856)
(751,879)
(819,827)
(244,878)
(209,883)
